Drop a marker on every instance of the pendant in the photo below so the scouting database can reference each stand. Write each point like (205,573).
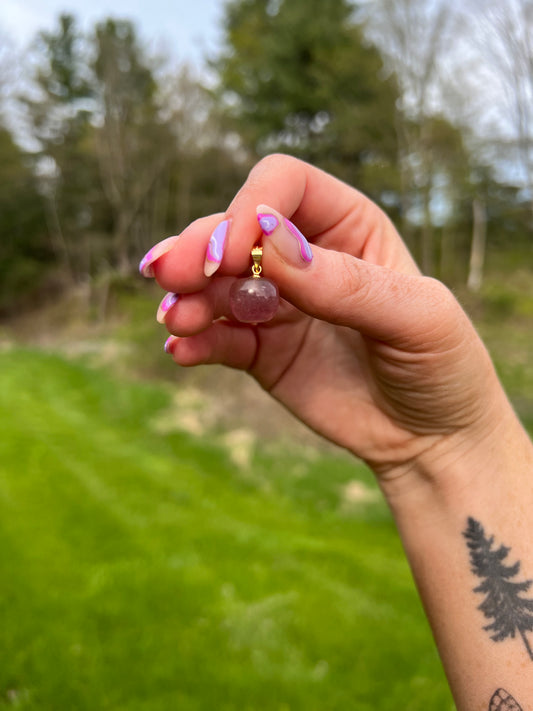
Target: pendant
(254,299)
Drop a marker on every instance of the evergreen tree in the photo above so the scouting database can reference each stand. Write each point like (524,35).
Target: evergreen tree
(25,254)
(299,76)
(511,613)
(103,145)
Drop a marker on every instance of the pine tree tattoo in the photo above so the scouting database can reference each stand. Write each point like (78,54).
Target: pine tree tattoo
(511,613)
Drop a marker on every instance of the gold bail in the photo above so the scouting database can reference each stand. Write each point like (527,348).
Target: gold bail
(257,255)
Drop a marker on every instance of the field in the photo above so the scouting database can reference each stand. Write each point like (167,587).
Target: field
(149,563)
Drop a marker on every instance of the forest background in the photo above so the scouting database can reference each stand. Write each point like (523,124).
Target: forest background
(110,455)
(423,106)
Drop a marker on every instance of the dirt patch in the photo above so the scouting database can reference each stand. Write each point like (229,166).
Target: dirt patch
(355,492)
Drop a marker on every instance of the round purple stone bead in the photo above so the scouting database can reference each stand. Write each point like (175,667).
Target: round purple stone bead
(254,300)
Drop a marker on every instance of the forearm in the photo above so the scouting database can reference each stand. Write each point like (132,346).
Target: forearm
(447,513)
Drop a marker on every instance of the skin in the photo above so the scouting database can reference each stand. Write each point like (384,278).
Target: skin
(384,362)
(407,370)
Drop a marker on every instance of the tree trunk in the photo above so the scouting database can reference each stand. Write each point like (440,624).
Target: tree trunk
(58,241)
(477,250)
(447,255)
(123,225)
(428,257)
(183,197)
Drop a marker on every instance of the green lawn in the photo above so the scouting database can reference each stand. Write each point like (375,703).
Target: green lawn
(145,571)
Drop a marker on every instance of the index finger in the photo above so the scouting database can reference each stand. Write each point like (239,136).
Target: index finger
(328,211)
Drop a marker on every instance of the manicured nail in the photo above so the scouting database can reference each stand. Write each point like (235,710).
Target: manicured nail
(288,239)
(169,343)
(215,248)
(158,250)
(168,302)
(268,223)
(305,247)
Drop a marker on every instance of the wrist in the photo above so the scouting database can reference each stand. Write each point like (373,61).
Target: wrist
(482,462)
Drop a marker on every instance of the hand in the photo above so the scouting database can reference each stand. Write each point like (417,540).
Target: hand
(365,350)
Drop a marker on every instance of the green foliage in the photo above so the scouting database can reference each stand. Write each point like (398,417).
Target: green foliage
(502,312)
(147,571)
(131,151)
(65,77)
(24,250)
(299,76)
(127,83)
(60,112)
(114,171)
(132,141)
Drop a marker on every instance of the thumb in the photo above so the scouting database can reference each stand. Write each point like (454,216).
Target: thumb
(405,310)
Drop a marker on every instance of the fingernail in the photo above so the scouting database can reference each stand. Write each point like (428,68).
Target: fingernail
(305,247)
(268,223)
(158,250)
(169,343)
(215,248)
(289,240)
(166,304)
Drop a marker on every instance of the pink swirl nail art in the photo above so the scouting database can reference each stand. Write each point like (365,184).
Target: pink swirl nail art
(268,223)
(166,304)
(215,248)
(169,343)
(158,250)
(305,247)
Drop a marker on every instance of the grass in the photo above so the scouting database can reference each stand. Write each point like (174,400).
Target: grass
(144,568)
(147,571)
(503,314)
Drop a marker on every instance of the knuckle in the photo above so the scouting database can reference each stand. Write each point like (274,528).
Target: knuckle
(438,297)
(444,319)
(274,162)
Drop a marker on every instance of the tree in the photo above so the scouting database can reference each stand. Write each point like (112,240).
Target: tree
(134,144)
(299,76)
(60,112)
(511,613)
(25,254)
(120,161)
(8,58)
(413,36)
(506,45)
(210,164)
(104,148)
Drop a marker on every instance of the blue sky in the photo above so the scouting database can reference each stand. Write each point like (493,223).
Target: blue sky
(187,29)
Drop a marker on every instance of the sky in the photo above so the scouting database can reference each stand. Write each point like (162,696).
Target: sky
(186,29)
(182,30)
